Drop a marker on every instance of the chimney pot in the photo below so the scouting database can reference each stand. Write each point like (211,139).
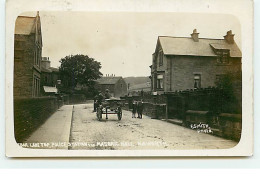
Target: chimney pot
(229,37)
(195,35)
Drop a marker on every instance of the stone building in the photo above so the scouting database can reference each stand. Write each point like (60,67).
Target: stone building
(49,77)
(115,84)
(27,56)
(181,63)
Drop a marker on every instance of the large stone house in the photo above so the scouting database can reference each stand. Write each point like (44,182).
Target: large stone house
(181,63)
(115,84)
(27,56)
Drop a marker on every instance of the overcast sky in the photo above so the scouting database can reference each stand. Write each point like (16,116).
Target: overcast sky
(123,42)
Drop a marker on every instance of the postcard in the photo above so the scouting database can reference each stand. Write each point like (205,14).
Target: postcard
(132,80)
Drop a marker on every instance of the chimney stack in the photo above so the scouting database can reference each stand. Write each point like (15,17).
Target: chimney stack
(229,37)
(195,35)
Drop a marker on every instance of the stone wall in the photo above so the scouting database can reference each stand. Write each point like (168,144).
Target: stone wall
(154,106)
(77,98)
(223,125)
(184,68)
(23,66)
(231,125)
(30,113)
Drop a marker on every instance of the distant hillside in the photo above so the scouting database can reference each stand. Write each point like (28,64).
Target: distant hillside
(137,80)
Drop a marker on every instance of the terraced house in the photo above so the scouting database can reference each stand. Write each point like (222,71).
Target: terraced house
(181,63)
(27,56)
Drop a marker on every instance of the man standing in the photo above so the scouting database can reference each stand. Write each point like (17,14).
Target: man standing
(107,94)
(134,108)
(95,103)
(140,107)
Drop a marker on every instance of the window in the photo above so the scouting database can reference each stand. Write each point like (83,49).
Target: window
(160,58)
(197,81)
(159,81)
(36,86)
(37,56)
(223,57)
(219,79)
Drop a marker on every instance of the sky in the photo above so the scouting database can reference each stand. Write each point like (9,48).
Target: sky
(123,42)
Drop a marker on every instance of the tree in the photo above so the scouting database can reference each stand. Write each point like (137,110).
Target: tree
(79,69)
(230,85)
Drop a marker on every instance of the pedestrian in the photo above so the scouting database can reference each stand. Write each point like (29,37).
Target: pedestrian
(134,109)
(95,103)
(140,107)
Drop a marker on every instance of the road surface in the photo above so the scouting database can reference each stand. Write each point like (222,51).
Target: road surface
(135,134)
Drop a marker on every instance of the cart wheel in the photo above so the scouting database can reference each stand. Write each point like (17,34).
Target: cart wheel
(99,114)
(119,114)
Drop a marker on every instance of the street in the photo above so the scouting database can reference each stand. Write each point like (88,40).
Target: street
(132,133)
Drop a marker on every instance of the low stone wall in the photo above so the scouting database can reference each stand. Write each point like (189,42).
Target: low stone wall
(224,125)
(155,111)
(77,99)
(30,113)
(231,125)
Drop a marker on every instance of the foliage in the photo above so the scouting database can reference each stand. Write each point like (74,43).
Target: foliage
(231,92)
(79,70)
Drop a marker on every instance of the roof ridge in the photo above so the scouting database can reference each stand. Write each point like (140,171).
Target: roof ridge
(190,37)
(25,16)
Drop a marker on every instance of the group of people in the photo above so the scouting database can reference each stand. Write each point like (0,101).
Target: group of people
(137,107)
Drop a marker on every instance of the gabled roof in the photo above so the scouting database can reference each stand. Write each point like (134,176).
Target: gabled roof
(187,46)
(108,80)
(25,25)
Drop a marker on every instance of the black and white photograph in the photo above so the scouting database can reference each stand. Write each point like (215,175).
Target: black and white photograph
(106,81)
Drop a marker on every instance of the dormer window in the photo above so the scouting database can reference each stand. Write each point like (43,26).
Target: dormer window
(222,53)
(223,56)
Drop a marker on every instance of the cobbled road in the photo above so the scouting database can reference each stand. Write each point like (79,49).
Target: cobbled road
(135,134)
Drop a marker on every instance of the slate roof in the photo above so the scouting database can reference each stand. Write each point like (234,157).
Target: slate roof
(187,46)
(54,69)
(108,80)
(143,86)
(25,25)
(49,70)
(46,70)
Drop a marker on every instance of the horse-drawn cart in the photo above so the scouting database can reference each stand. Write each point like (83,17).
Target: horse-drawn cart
(110,106)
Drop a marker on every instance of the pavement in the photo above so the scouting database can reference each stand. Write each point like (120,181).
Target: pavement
(54,133)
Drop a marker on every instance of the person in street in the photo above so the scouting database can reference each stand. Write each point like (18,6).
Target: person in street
(134,109)
(95,103)
(140,107)
(99,99)
(107,94)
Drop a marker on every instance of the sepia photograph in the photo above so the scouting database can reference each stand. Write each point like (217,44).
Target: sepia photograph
(127,81)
